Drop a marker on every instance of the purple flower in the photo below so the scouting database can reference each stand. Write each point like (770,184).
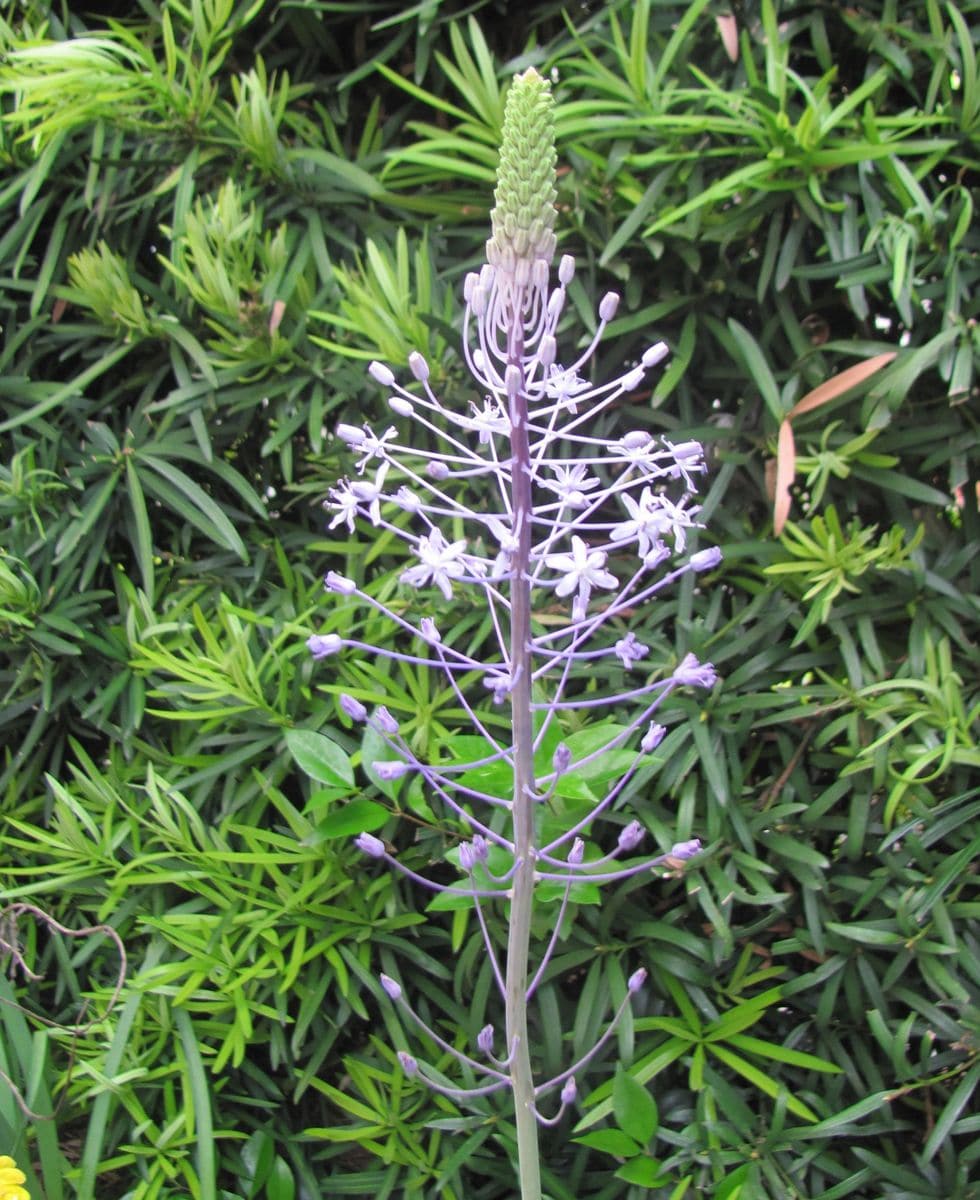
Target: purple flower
(440,562)
(630,651)
(581,571)
(549,537)
(696,674)
(630,837)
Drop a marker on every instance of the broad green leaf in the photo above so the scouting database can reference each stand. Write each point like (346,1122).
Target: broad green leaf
(612,1141)
(634,1108)
(347,820)
(320,757)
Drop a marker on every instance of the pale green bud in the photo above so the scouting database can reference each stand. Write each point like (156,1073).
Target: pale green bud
(524,209)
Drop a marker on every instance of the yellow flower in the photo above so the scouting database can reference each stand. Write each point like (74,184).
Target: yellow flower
(12,1180)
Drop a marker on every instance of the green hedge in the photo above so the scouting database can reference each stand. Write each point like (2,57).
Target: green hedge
(214,214)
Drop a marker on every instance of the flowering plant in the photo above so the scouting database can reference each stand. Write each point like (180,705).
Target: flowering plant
(518,501)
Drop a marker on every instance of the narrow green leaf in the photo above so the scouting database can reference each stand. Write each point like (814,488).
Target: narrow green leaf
(188,499)
(758,368)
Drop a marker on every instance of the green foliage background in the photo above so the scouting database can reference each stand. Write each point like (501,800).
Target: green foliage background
(213,214)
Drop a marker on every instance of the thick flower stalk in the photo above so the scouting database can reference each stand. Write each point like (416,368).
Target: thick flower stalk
(524,504)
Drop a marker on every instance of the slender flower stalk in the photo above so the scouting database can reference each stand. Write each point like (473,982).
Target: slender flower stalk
(523,501)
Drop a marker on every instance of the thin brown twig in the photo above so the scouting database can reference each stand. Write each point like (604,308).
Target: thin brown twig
(10,944)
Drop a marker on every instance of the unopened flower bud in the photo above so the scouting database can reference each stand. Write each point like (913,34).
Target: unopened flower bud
(569,1091)
(391,987)
(653,737)
(566,269)
(608,306)
(484,1039)
(705,560)
(428,630)
(655,354)
(381,373)
(630,837)
(385,721)
(353,708)
(368,844)
(685,850)
(322,645)
(418,366)
(561,760)
(636,981)
(390,769)
(577,852)
(350,434)
(524,208)
(339,583)
(400,406)
(409,1065)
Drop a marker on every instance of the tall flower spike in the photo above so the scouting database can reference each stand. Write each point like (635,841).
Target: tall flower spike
(533,502)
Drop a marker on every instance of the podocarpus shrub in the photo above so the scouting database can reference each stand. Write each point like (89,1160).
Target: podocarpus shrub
(777,212)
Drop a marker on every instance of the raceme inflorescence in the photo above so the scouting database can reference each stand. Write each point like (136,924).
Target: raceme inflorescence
(525,504)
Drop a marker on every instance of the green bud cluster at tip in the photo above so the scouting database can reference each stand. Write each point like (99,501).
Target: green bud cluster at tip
(524,212)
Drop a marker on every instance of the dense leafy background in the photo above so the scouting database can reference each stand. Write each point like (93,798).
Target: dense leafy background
(213,214)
